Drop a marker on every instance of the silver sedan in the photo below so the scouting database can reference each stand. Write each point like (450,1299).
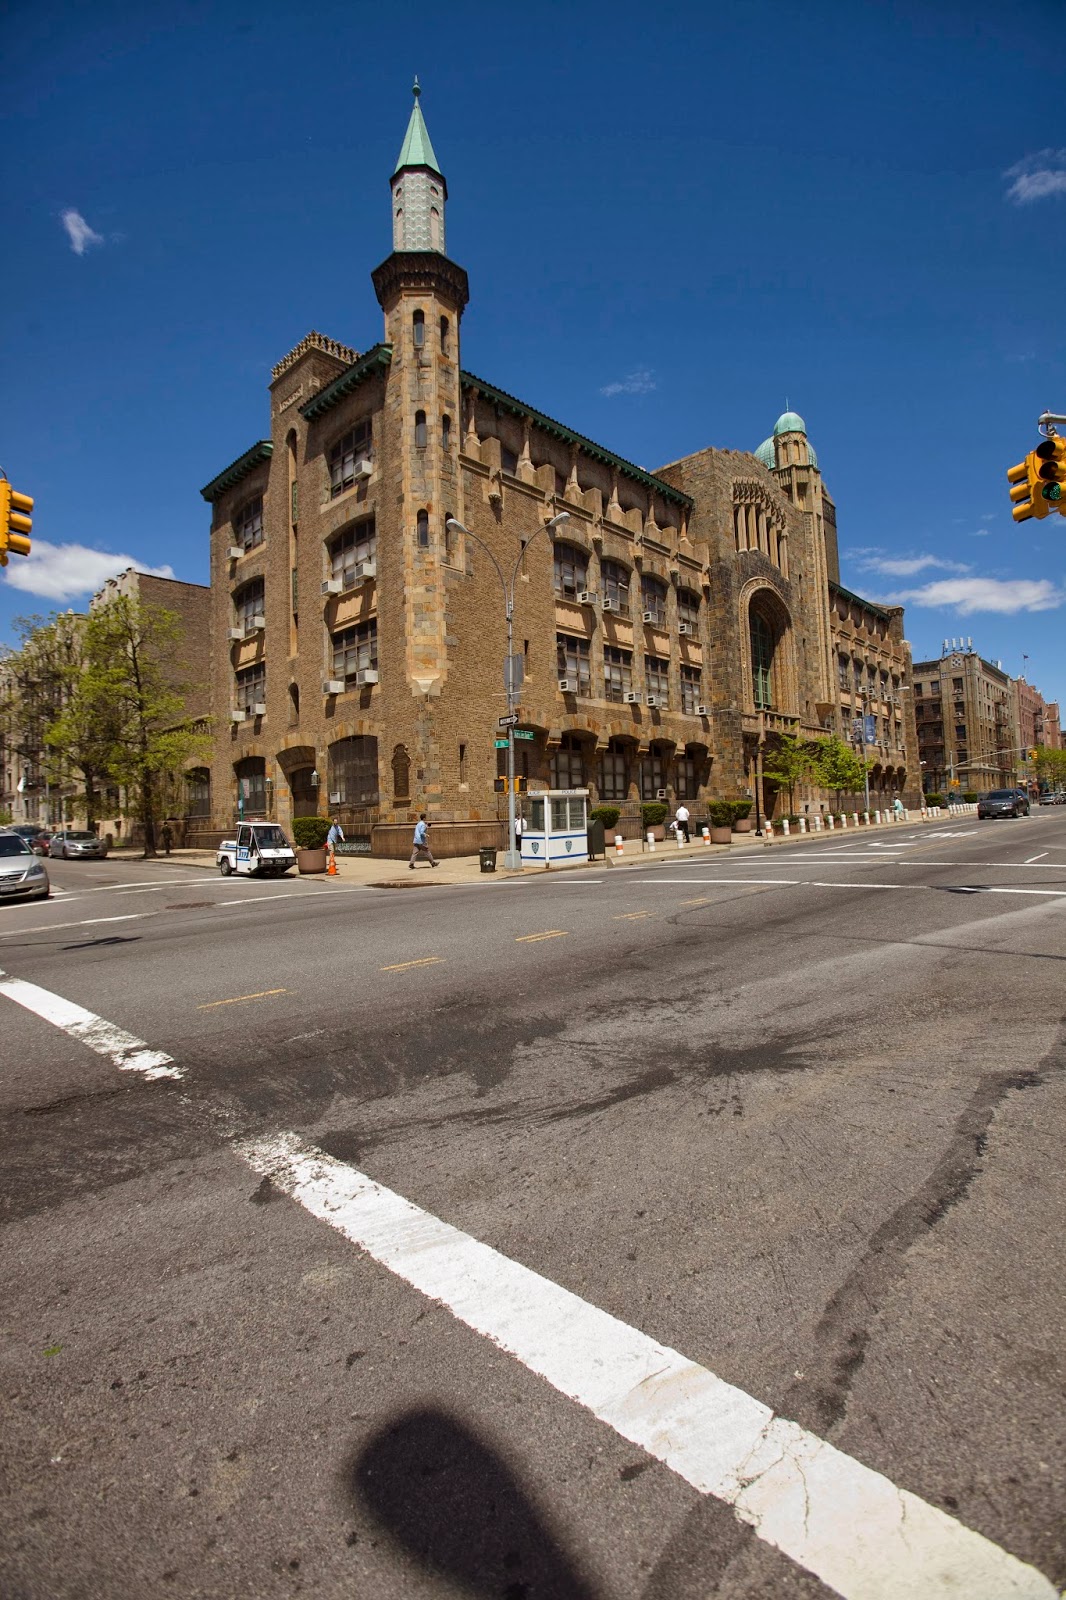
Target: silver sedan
(20,871)
(70,843)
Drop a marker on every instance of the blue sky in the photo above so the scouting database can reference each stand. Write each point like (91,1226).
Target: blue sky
(673,222)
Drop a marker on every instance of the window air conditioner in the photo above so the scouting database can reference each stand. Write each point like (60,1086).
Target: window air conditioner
(235,552)
(255,624)
(660,794)
(652,700)
(702,711)
(332,685)
(259,709)
(648,616)
(364,468)
(587,597)
(236,633)
(237,716)
(332,586)
(684,627)
(609,605)
(566,686)
(367,569)
(367,675)
(631,699)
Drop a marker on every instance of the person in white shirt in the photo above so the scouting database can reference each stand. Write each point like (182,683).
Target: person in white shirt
(681,821)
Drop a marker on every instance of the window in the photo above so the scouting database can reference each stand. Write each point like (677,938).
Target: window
(657,678)
(688,607)
(354,446)
(614,772)
(451,541)
(462,763)
(248,603)
(686,781)
(303,786)
(251,686)
(572,660)
(351,547)
(762,660)
(960,730)
(691,690)
(653,599)
(508,460)
(617,673)
(568,764)
(844,672)
(422,529)
(616,585)
(446,432)
(251,786)
(353,772)
(248,524)
(445,337)
(418,325)
(651,775)
(198,793)
(355,649)
(420,430)
(571,570)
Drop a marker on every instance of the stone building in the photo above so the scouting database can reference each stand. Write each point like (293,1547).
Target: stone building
(361,555)
(968,733)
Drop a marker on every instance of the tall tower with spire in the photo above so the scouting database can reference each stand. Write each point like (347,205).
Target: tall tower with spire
(419,191)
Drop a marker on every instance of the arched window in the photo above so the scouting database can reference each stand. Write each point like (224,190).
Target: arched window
(423,529)
(445,337)
(251,786)
(568,763)
(434,228)
(418,324)
(401,774)
(420,430)
(653,600)
(762,660)
(353,772)
(688,609)
(615,586)
(446,432)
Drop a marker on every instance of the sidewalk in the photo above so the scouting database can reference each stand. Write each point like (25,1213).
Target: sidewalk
(373,872)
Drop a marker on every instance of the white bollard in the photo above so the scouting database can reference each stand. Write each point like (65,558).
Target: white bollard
(803,824)
(830,822)
(651,840)
(818,822)
(784,826)
(843,819)
(866,818)
(706,835)
(877,818)
(618,844)
(680,839)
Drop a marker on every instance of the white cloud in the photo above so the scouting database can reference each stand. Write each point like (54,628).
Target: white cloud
(640,382)
(967,595)
(65,571)
(79,233)
(1037,176)
(906,566)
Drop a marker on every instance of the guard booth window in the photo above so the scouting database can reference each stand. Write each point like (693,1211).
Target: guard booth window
(568,814)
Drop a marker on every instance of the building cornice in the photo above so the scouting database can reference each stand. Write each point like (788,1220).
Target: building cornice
(857,599)
(238,469)
(421,269)
(518,408)
(376,360)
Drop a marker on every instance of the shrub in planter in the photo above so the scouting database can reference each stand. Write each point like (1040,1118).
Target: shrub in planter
(741,809)
(971,797)
(608,815)
(934,799)
(721,813)
(309,833)
(653,813)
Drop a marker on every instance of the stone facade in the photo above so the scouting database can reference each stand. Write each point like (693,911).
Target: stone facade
(671,626)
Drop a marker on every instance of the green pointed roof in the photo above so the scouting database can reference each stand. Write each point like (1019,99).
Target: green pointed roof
(417,150)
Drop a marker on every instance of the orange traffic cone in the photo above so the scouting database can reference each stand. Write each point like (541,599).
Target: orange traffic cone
(331,870)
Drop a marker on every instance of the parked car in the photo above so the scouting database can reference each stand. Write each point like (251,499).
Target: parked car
(71,843)
(1053,799)
(39,843)
(25,830)
(1003,803)
(20,871)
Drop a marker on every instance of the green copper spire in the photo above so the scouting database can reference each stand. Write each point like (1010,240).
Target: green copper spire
(417,150)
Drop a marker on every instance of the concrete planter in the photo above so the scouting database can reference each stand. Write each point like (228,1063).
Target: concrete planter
(311,860)
(742,825)
(721,836)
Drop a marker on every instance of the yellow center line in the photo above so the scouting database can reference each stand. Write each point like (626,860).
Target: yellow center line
(264,994)
(530,938)
(702,901)
(632,916)
(402,966)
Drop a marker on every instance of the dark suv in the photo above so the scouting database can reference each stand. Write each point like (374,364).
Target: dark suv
(1003,803)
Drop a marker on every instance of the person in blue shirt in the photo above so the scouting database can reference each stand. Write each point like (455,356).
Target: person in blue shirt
(334,837)
(421,843)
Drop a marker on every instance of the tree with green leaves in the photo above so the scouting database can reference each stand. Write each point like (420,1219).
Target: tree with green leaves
(127,705)
(1051,767)
(786,762)
(835,766)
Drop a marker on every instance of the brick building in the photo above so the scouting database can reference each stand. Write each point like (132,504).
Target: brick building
(674,623)
(968,733)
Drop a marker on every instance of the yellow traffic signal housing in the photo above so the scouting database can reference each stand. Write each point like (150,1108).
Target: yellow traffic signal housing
(1051,472)
(15,521)
(1028,501)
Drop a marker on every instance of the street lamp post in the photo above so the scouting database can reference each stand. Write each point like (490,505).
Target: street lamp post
(512,858)
(864,701)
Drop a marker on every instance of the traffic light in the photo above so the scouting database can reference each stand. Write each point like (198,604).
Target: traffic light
(1028,501)
(15,521)
(1032,755)
(520,786)
(1051,470)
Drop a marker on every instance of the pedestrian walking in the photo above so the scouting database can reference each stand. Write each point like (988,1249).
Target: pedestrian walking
(681,820)
(334,837)
(421,843)
(168,838)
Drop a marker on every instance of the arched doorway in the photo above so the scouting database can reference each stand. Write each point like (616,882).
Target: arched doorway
(251,787)
(304,788)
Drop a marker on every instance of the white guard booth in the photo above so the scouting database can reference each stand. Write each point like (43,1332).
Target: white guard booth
(556,827)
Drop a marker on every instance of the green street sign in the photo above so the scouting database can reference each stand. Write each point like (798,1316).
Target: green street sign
(523,733)
(501,744)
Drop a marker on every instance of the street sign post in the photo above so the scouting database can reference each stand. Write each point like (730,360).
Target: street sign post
(524,733)
(501,744)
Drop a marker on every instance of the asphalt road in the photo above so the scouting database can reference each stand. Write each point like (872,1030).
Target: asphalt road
(796,1116)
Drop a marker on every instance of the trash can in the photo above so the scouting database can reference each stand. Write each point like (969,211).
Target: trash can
(487,856)
(597,844)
